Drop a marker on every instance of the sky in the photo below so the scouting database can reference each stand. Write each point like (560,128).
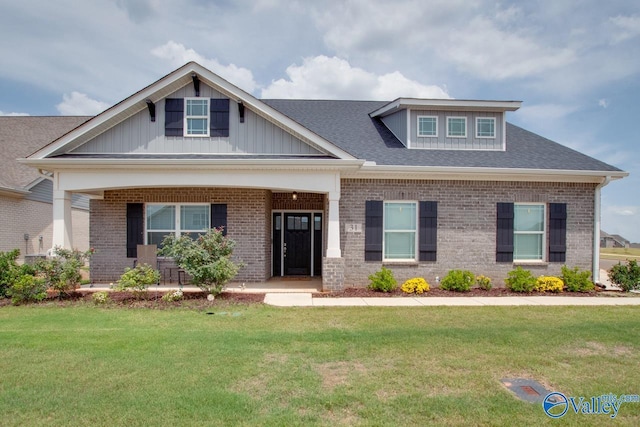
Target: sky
(575,65)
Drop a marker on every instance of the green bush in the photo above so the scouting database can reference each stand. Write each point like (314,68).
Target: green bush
(173,296)
(520,280)
(626,276)
(62,272)
(576,280)
(458,281)
(206,259)
(383,281)
(9,270)
(416,285)
(100,298)
(484,282)
(549,284)
(138,278)
(27,288)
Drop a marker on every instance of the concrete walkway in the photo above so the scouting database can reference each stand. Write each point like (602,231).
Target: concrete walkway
(307,300)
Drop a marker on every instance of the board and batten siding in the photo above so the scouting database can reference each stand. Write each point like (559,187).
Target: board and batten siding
(43,192)
(139,135)
(397,124)
(441,142)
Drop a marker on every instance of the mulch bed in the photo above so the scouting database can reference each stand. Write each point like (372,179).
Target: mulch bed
(437,292)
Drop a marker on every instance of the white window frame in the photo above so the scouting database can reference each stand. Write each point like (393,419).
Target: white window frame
(177,229)
(415,231)
(478,119)
(449,118)
(421,135)
(543,234)
(187,117)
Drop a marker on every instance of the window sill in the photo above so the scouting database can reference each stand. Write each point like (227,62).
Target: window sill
(401,263)
(531,263)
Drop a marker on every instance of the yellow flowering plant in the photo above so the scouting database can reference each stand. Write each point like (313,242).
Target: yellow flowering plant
(416,285)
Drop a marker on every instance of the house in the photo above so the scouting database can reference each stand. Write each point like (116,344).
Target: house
(335,189)
(26,196)
(613,241)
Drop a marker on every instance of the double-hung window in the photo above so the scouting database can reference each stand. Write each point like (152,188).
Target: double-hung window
(528,232)
(196,118)
(427,126)
(400,225)
(166,219)
(485,127)
(456,127)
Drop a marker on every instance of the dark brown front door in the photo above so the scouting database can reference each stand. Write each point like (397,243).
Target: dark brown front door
(297,244)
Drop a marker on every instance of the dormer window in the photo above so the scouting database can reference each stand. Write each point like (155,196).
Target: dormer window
(196,119)
(427,126)
(456,127)
(485,127)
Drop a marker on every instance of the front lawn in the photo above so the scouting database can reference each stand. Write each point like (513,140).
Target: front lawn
(259,365)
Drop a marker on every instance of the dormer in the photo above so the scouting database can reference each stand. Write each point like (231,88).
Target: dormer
(447,124)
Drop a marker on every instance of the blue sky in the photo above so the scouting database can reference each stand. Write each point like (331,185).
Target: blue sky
(575,65)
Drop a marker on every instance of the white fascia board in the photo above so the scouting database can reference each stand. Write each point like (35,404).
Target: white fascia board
(13,192)
(484,174)
(168,84)
(446,105)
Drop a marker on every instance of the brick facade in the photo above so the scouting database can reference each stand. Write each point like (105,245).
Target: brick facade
(466,225)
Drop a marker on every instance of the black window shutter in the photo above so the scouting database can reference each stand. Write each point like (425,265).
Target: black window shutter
(173,117)
(557,232)
(135,228)
(504,234)
(428,238)
(373,230)
(219,217)
(219,121)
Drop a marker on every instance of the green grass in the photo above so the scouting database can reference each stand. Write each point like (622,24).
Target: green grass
(620,253)
(260,365)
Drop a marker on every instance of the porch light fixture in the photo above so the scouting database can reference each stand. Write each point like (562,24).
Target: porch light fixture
(294,196)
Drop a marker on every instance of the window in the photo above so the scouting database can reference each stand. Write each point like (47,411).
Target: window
(528,232)
(456,127)
(485,127)
(427,126)
(196,117)
(163,220)
(400,224)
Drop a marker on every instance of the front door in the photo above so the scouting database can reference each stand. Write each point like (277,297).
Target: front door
(296,248)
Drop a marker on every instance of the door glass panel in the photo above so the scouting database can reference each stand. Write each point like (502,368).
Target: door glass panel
(317,223)
(278,223)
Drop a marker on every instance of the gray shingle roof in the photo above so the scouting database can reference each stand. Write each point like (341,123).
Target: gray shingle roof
(348,125)
(23,135)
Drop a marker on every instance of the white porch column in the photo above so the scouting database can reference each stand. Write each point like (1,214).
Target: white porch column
(62,235)
(333,230)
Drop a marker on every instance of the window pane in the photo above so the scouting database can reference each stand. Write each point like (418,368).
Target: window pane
(528,218)
(193,235)
(194,217)
(197,107)
(161,217)
(400,245)
(457,126)
(399,216)
(197,126)
(527,246)
(486,127)
(427,126)
(156,237)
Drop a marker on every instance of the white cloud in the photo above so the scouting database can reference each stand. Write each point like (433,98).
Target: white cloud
(79,104)
(625,28)
(322,77)
(622,220)
(177,54)
(604,103)
(2,113)
(544,113)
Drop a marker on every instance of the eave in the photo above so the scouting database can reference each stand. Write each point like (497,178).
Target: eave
(445,105)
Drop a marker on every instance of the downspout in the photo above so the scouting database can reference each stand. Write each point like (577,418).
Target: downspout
(595,273)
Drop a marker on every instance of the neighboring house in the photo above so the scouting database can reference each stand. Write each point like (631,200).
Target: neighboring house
(613,241)
(335,189)
(26,196)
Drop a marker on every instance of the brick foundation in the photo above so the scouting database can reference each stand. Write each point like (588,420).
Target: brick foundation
(333,274)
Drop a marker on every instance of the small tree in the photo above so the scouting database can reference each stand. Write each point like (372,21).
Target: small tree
(626,276)
(206,259)
(62,272)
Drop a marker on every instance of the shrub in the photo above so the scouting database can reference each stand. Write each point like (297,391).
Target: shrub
(576,280)
(100,298)
(458,280)
(415,286)
(138,278)
(484,282)
(9,270)
(27,288)
(549,284)
(520,280)
(383,281)
(173,296)
(206,259)
(62,271)
(626,276)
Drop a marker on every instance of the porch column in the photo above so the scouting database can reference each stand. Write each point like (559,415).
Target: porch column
(333,226)
(62,235)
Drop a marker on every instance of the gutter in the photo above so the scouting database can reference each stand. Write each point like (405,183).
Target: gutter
(595,273)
